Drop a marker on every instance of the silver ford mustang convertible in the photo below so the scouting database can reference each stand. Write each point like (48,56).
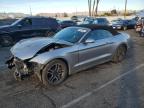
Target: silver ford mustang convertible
(71,50)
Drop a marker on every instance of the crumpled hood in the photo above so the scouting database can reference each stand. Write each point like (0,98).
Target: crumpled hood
(27,48)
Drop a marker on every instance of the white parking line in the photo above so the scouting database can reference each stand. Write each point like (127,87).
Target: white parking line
(101,87)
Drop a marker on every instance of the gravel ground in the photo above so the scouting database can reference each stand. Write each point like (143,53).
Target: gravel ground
(104,86)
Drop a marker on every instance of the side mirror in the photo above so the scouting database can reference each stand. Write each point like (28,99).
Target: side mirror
(90,41)
(19,25)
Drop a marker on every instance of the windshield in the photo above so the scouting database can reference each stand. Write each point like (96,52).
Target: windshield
(16,22)
(88,22)
(71,34)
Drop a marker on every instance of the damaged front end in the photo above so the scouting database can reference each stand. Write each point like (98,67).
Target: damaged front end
(26,50)
(22,69)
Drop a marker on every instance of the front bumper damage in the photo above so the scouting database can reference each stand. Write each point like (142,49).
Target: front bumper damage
(23,69)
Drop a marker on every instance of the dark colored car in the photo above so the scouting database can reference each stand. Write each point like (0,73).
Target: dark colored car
(67,23)
(74,18)
(27,27)
(131,23)
(97,21)
(123,24)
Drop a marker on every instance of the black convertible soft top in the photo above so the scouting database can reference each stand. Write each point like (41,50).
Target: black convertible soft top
(96,27)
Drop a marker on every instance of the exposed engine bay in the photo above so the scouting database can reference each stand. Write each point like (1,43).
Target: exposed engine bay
(51,47)
(25,68)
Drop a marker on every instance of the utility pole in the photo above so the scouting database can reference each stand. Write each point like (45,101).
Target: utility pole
(76,11)
(125,9)
(96,9)
(30,10)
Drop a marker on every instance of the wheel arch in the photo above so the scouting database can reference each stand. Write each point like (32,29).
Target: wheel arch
(124,45)
(62,59)
(3,35)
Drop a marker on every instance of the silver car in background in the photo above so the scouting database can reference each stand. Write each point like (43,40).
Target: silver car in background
(71,50)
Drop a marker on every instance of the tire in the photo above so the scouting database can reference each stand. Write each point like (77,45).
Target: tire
(119,54)
(49,33)
(54,73)
(141,34)
(125,28)
(6,41)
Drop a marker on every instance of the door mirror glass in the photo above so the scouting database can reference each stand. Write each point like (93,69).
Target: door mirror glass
(90,41)
(19,25)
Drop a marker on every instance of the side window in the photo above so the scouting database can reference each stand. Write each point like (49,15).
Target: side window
(26,22)
(99,34)
(38,21)
(95,22)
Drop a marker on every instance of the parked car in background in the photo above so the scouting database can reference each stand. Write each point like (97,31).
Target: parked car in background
(123,24)
(97,21)
(139,27)
(67,23)
(77,19)
(71,50)
(101,21)
(88,20)
(131,23)
(26,28)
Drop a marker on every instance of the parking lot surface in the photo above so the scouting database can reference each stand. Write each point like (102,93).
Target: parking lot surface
(104,86)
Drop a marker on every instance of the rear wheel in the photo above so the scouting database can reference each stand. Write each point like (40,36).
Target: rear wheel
(6,41)
(142,34)
(125,28)
(54,73)
(119,54)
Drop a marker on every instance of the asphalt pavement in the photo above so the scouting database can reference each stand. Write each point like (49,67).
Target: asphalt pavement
(107,85)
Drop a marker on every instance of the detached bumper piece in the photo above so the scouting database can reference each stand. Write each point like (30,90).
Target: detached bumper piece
(10,63)
(21,70)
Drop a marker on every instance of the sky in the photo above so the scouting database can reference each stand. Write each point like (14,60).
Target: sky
(54,6)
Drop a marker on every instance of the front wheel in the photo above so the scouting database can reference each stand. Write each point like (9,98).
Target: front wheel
(119,54)
(142,33)
(54,73)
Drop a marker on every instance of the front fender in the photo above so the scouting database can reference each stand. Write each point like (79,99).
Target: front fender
(70,55)
(44,58)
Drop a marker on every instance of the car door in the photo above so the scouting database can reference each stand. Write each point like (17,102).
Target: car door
(96,52)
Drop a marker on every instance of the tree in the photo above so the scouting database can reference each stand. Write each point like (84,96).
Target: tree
(114,12)
(93,10)
(89,6)
(96,9)
(125,9)
(56,15)
(65,14)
